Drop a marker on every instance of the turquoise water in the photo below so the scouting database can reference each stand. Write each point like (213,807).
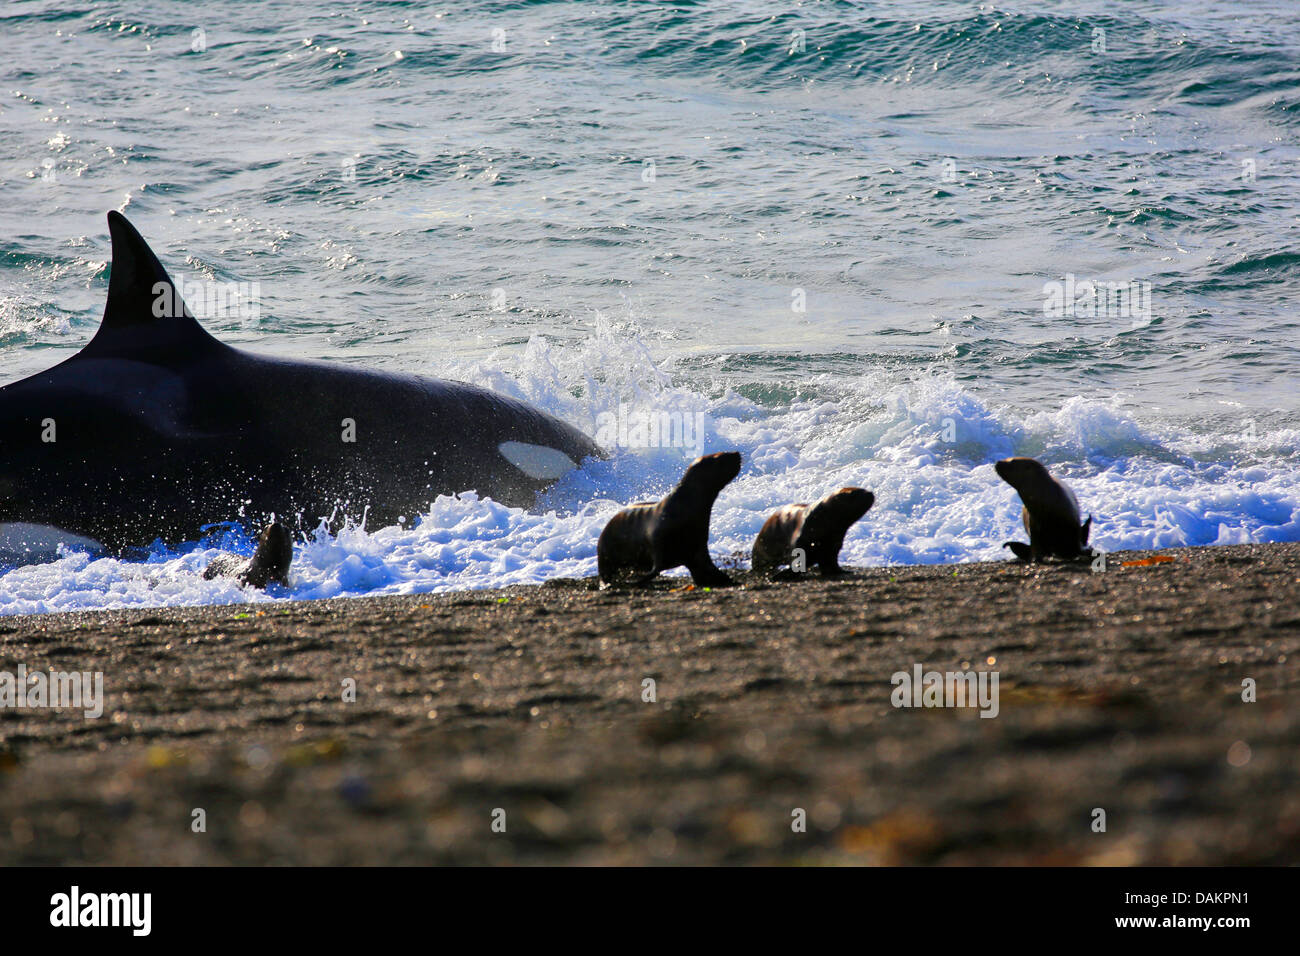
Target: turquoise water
(826,228)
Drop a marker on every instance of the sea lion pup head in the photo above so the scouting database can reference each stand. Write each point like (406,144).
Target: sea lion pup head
(1028,476)
(836,512)
(1050,514)
(712,472)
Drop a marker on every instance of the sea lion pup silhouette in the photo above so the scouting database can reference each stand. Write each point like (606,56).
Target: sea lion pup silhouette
(646,538)
(1050,514)
(270,562)
(818,530)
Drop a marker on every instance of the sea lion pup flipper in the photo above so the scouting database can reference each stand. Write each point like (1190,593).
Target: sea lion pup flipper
(1022,551)
(705,573)
(646,539)
(1050,513)
(270,562)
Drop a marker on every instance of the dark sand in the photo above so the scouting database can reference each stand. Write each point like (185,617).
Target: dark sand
(1119,690)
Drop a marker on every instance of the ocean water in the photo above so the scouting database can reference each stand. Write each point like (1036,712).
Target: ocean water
(834,235)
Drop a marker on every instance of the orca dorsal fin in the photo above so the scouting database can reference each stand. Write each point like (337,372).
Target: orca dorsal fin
(145,311)
(1083,532)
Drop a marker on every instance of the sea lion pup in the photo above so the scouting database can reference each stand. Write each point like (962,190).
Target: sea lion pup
(650,537)
(817,529)
(270,562)
(1050,514)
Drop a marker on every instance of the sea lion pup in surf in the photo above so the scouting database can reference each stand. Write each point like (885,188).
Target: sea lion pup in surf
(818,530)
(1050,514)
(650,537)
(270,562)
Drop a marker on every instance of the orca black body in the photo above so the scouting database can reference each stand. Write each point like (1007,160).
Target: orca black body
(155,429)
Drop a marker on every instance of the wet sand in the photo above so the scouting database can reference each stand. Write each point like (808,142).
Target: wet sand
(1119,690)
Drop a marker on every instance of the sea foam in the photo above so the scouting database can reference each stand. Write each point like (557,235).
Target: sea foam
(921,441)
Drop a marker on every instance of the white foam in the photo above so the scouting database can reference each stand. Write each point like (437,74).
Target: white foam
(924,445)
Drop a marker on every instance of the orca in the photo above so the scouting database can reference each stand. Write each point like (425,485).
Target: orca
(156,429)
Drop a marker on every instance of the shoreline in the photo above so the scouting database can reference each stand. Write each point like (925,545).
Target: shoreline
(734,564)
(1118,690)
